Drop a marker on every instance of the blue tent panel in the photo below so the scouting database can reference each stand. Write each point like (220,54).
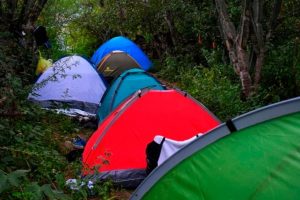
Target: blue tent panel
(128,82)
(70,81)
(123,44)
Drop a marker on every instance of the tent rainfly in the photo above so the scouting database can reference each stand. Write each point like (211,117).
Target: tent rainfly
(71,85)
(115,63)
(253,156)
(117,148)
(125,85)
(124,44)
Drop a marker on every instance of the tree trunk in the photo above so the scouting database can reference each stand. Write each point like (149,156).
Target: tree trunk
(258,39)
(258,66)
(19,17)
(170,22)
(238,42)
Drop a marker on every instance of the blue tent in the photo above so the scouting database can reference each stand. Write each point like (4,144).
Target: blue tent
(124,86)
(72,83)
(122,44)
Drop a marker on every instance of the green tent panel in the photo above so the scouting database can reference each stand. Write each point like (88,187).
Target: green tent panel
(254,156)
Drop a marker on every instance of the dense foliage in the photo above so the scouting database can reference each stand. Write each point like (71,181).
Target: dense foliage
(183,39)
(185,31)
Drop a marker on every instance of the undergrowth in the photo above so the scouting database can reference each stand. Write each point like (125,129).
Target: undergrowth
(32,162)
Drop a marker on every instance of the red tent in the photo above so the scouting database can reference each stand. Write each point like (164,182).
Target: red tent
(117,148)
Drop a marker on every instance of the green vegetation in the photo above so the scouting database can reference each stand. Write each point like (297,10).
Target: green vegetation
(183,39)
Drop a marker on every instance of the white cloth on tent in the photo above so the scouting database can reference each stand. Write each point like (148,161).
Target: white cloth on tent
(72,112)
(169,146)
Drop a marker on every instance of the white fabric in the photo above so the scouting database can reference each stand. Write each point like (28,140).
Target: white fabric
(170,147)
(73,112)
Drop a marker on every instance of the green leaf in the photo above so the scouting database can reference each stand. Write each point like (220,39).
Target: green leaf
(60,180)
(35,191)
(47,190)
(61,195)
(14,178)
(3,182)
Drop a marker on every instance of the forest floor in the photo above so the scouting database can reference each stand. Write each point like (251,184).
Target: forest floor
(85,129)
(71,172)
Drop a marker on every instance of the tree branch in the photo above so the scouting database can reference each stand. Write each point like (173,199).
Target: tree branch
(245,25)
(1,11)
(11,115)
(257,10)
(229,33)
(170,22)
(11,7)
(273,23)
(24,11)
(258,39)
(236,43)
(36,10)
(243,36)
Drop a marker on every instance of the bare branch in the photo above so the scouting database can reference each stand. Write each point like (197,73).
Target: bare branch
(258,66)
(229,29)
(1,11)
(228,32)
(36,10)
(258,39)
(257,10)
(11,115)
(170,22)
(236,43)
(245,25)
(11,7)
(23,17)
(273,23)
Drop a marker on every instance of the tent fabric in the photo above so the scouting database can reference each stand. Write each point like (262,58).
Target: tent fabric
(161,148)
(169,146)
(70,83)
(127,84)
(115,63)
(153,150)
(121,178)
(122,44)
(121,139)
(260,160)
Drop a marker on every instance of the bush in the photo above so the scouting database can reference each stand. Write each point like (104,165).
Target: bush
(212,85)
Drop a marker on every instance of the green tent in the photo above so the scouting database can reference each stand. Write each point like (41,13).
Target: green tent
(253,156)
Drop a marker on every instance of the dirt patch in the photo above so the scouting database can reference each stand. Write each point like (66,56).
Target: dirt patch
(121,194)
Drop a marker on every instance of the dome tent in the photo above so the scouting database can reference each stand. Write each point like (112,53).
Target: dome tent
(253,156)
(125,85)
(124,44)
(121,139)
(71,85)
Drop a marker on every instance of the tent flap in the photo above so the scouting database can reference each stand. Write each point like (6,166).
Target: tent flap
(121,43)
(128,179)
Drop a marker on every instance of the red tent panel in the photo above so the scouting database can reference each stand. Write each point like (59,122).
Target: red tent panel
(126,132)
